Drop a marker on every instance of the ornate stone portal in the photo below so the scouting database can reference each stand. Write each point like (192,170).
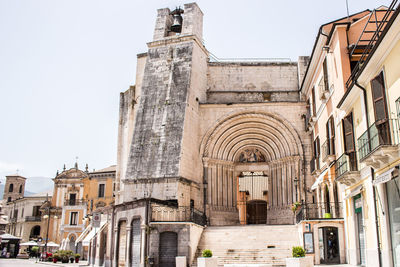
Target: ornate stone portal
(243,145)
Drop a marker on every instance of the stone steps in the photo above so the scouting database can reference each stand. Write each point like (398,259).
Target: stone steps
(251,245)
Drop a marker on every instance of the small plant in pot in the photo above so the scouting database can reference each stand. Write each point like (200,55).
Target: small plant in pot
(206,253)
(207,259)
(299,258)
(77,256)
(296,206)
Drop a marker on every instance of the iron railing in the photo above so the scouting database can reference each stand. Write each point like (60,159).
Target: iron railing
(378,135)
(164,213)
(346,163)
(320,211)
(328,148)
(33,218)
(369,37)
(74,202)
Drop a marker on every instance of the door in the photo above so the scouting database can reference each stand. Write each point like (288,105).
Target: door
(361,238)
(103,247)
(329,245)
(168,249)
(257,212)
(135,243)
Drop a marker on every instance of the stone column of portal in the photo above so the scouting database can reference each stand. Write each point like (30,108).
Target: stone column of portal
(143,243)
(229,186)
(128,243)
(297,172)
(290,182)
(224,188)
(214,185)
(234,187)
(284,183)
(279,183)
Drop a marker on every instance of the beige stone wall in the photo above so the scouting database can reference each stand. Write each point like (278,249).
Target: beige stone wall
(243,76)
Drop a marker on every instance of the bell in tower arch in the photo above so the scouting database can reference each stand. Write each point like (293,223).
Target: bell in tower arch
(177,20)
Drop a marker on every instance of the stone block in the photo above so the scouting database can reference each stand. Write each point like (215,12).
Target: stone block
(180,261)
(207,262)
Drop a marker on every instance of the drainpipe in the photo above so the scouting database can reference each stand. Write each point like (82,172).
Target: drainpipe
(373,177)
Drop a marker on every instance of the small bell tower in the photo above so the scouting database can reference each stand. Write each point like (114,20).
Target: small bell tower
(14,188)
(187,21)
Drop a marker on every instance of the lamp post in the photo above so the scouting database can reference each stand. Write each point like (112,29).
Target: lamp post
(296,182)
(47,216)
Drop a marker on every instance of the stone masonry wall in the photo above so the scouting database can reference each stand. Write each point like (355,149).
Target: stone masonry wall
(156,144)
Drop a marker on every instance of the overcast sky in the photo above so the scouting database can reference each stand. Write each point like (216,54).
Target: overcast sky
(64,63)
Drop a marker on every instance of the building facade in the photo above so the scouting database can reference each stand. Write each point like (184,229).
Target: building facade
(204,142)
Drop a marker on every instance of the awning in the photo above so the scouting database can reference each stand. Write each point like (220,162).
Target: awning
(30,243)
(83,235)
(383,177)
(354,192)
(319,180)
(92,233)
(50,244)
(8,236)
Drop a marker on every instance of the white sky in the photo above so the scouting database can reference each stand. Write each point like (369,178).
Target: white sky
(63,64)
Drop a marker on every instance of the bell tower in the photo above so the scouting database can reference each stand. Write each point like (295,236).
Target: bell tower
(14,188)
(163,151)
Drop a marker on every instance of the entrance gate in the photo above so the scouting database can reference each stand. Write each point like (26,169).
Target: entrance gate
(257,212)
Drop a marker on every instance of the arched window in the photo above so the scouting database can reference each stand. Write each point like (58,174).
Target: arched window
(11,188)
(20,189)
(35,232)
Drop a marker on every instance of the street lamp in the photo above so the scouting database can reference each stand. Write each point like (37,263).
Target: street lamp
(296,182)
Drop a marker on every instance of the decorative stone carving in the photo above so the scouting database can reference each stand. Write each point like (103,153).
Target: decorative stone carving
(251,155)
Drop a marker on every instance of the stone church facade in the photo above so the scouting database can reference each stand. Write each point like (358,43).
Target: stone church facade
(204,142)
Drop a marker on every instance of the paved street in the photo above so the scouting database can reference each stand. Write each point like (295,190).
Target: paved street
(29,263)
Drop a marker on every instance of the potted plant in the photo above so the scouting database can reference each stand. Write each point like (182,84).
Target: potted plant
(56,257)
(77,256)
(35,251)
(299,259)
(206,259)
(296,206)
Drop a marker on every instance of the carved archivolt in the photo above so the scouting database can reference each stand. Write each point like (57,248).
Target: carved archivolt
(251,137)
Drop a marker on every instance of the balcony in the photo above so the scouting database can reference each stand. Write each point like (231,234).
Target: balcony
(378,145)
(74,202)
(346,169)
(328,151)
(320,211)
(165,213)
(33,218)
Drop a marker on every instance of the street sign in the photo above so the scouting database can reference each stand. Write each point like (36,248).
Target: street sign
(96,219)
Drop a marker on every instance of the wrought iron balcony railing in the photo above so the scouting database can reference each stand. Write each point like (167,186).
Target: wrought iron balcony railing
(320,211)
(346,163)
(164,213)
(33,218)
(74,202)
(328,148)
(378,135)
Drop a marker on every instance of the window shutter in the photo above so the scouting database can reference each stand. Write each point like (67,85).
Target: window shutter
(326,83)
(378,96)
(348,134)
(314,108)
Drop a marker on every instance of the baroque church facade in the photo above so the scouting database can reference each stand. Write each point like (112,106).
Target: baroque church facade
(204,142)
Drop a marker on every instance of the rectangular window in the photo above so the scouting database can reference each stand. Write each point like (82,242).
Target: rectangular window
(73,220)
(330,136)
(36,211)
(379,99)
(325,67)
(314,108)
(349,146)
(101,190)
(348,134)
(72,199)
